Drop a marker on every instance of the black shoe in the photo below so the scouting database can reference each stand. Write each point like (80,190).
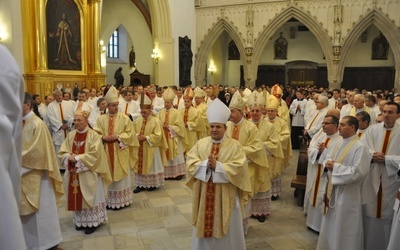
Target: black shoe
(90,230)
(178,178)
(261,218)
(138,190)
(274,198)
(79,228)
(151,189)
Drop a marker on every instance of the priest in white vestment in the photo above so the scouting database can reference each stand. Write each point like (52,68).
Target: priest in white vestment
(394,241)
(218,175)
(380,187)
(325,139)
(60,116)
(130,107)
(315,123)
(345,167)
(11,98)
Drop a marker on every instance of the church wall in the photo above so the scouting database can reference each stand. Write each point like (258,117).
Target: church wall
(217,60)
(183,21)
(331,22)
(303,47)
(115,13)
(11,29)
(231,68)
(360,53)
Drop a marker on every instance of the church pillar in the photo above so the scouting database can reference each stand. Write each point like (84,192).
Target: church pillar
(95,77)
(38,78)
(40,23)
(335,75)
(249,69)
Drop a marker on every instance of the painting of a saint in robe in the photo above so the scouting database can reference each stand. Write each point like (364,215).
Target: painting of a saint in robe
(380,48)
(63,35)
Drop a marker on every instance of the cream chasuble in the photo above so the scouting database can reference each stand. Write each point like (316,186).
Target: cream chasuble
(119,157)
(92,157)
(191,117)
(38,155)
(234,163)
(175,132)
(248,137)
(156,137)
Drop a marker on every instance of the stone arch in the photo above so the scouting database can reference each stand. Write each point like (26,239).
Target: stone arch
(161,19)
(388,29)
(272,27)
(207,43)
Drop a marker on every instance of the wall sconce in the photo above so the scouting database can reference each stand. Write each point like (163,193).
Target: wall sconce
(3,35)
(103,57)
(211,69)
(155,55)
(102,47)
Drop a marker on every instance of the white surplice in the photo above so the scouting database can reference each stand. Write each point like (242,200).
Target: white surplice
(11,98)
(377,230)
(342,224)
(314,215)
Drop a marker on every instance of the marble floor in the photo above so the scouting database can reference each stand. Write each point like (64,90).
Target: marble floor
(161,220)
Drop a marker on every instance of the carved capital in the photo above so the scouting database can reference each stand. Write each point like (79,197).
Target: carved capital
(249,54)
(336,50)
(90,2)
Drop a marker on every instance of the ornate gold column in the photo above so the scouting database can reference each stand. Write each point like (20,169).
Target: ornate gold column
(95,77)
(39,79)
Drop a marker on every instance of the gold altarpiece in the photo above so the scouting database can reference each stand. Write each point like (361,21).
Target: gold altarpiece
(39,77)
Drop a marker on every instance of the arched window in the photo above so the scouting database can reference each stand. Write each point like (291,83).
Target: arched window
(113,45)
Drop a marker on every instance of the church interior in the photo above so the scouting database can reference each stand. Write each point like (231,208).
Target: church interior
(330,44)
(243,43)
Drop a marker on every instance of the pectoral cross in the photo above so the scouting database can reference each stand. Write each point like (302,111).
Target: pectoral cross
(75,184)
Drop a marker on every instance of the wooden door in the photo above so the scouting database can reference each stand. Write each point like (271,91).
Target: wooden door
(302,77)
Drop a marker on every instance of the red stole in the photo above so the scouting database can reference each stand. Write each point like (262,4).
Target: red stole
(140,160)
(74,190)
(235,132)
(210,198)
(110,145)
(166,132)
(380,191)
(318,178)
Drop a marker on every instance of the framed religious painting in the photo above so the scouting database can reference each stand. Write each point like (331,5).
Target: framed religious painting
(63,22)
(380,48)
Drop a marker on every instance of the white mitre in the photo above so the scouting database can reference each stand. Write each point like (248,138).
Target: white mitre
(218,112)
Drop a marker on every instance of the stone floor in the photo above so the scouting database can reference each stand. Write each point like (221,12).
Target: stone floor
(161,220)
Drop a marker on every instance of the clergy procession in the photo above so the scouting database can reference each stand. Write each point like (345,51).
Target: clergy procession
(101,148)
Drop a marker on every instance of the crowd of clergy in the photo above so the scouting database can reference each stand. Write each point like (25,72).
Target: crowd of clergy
(98,137)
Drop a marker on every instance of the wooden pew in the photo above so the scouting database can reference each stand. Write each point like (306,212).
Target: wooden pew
(299,180)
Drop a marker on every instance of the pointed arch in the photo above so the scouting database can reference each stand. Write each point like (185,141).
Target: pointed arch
(388,29)
(161,19)
(209,41)
(272,27)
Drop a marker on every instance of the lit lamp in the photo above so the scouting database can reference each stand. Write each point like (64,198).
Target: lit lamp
(103,48)
(3,34)
(103,58)
(155,56)
(211,69)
